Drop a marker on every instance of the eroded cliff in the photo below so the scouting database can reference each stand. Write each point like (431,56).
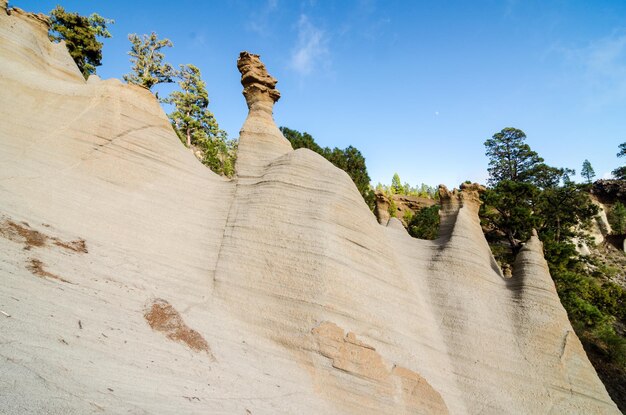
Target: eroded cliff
(133,279)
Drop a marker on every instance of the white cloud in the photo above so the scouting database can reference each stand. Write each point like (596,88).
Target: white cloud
(604,64)
(311,51)
(260,19)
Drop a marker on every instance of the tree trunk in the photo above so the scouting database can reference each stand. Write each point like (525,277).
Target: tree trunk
(515,245)
(188,130)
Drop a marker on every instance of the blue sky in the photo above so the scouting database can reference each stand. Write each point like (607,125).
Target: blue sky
(417,86)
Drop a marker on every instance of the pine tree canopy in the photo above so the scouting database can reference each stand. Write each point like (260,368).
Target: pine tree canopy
(80,35)
(396,184)
(620,172)
(196,125)
(510,158)
(148,68)
(587,171)
(191,116)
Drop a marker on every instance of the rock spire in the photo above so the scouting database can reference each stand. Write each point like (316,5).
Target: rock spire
(259,87)
(260,140)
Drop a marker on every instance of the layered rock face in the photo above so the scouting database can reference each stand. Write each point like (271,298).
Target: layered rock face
(134,280)
(403,204)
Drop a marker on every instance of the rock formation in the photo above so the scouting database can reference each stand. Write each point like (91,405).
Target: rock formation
(259,87)
(381,208)
(134,280)
(403,204)
(599,229)
(609,191)
(605,194)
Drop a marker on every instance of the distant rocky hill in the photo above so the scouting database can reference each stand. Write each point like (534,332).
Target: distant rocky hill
(135,280)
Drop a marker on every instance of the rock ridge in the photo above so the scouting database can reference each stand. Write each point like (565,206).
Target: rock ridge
(274,292)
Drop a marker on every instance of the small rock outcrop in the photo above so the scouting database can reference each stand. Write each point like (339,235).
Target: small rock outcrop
(381,208)
(609,191)
(599,228)
(452,202)
(604,194)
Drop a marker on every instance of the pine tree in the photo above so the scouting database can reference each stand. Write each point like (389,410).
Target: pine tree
(192,117)
(80,35)
(587,171)
(525,193)
(148,67)
(396,184)
(510,158)
(617,218)
(406,189)
(620,172)
(196,125)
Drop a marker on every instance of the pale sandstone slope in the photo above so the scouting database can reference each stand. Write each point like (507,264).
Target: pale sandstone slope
(137,281)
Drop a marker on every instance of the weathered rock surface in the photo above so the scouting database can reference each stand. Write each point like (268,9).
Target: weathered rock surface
(134,280)
(599,229)
(609,191)
(600,226)
(403,204)
(381,208)
(604,194)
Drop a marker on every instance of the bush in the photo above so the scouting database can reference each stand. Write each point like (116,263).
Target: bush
(392,209)
(593,309)
(408,216)
(617,218)
(425,223)
(577,292)
(610,343)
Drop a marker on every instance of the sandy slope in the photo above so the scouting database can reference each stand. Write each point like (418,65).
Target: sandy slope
(134,280)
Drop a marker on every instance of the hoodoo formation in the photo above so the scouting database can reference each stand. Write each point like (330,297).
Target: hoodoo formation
(258,85)
(135,280)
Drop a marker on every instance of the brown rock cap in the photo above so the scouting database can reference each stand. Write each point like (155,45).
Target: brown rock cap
(258,85)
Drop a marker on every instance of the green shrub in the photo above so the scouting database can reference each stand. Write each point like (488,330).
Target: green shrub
(392,209)
(593,309)
(610,343)
(408,216)
(617,218)
(425,223)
